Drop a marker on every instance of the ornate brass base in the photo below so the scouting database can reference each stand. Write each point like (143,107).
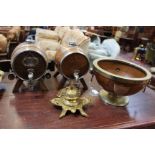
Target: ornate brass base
(70,103)
(113,100)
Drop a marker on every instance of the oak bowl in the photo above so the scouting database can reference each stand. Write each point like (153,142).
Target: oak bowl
(119,79)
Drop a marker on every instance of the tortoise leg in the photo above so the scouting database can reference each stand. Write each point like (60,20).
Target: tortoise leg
(82,112)
(63,113)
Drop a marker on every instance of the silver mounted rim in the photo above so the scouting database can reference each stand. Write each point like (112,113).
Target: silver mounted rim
(70,53)
(24,48)
(110,75)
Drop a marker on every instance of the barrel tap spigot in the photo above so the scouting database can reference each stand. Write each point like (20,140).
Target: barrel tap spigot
(30,78)
(76,77)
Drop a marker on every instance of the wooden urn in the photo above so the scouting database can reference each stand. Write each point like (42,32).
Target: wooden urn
(119,79)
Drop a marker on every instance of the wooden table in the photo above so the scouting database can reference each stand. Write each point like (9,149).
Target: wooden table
(33,110)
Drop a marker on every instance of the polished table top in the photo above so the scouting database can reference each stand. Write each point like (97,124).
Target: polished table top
(33,110)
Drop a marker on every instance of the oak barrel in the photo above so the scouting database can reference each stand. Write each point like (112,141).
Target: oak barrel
(71,59)
(26,58)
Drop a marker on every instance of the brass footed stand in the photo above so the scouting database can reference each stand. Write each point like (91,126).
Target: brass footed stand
(113,100)
(69,99)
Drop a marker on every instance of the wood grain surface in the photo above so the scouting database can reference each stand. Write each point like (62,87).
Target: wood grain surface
(34,110)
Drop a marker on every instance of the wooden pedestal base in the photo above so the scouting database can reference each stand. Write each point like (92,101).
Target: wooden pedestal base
(63,81)
(40,86)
